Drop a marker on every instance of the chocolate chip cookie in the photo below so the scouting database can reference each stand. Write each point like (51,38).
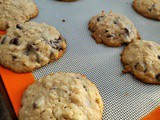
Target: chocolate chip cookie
(148,8)
(30,45)
(112,29)
(142,59)
(62,96)
(13,12)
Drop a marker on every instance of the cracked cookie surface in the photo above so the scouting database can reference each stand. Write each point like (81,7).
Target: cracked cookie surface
(112,29)
(30,45)
(13,12)
(62,96)
(142,59)
(148,8)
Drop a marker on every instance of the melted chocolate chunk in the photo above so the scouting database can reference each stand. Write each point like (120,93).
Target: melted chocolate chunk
(52,55)
(3,40)
(158,77)
(110,35)
(14,57)
(60,38)
(152,7)
(7,26)
(158,56)
(15,41)
(59,47)
(19,27)
(53,44)
(31,47)
(136,65)
(85,87)
(124,43)
(115,22)
(126,31)
(106,31)
(34,105)
(99,18)
(38,58)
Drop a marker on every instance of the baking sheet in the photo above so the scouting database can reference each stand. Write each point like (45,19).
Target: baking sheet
(125,98)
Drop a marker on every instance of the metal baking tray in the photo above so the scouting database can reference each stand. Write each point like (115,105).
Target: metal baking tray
(125,98)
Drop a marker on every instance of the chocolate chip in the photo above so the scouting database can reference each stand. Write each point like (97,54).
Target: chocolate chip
(59,47)
(106,31)
(110,35)
(136,65)
(60,38)
(99,18)
(53,41)
(3,40)
(158,56)
(158,77)
(38,58)
(152,7)
(42,112)
(115,22)
(124,43)
(7,26)
(19,27)
(53,88)
(85,87)
(34,105)
(126,31)
(145,70)
(14,57)
(53,44)
(31,47)
(14,41)
(52,56)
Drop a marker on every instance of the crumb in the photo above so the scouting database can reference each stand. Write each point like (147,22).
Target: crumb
(126,94)
(63,20)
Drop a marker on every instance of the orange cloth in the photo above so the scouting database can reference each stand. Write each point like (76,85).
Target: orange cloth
(2,32)
(154,115)
(16,84)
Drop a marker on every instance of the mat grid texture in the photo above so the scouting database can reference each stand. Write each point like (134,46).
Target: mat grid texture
(125,98)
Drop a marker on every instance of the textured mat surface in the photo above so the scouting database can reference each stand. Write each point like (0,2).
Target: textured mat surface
(125,98)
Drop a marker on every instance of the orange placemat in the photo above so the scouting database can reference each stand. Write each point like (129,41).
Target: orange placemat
(154,115)
(15,85)
(2,32)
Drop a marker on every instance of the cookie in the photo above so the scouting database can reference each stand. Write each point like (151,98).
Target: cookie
(30,45)
(13,12)
(112,29)
(62,96)
(142,59)
(148,8)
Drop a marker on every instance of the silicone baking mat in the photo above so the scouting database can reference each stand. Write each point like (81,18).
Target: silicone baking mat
(125,98)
